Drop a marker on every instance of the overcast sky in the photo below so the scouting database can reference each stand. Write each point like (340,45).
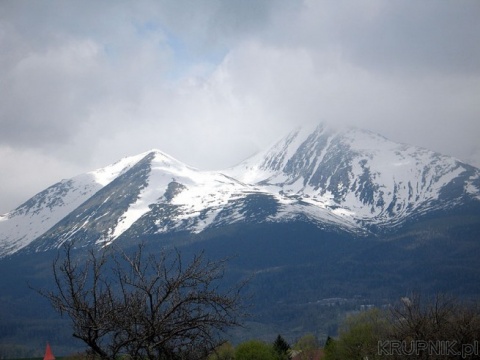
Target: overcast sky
(85,83)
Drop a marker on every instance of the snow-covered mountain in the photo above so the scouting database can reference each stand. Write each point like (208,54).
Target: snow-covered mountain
(348,179)
(360,175)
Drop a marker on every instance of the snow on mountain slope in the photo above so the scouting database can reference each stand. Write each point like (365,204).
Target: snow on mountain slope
(177,184)
(350,179)
(30,220)
(33,218)
(359,174)
(158,194)
(157,191)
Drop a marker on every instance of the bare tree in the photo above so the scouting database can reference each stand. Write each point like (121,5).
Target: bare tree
(145,305)
(433,328)
(438,328)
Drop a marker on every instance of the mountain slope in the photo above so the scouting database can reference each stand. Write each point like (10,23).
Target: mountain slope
(348,180)
(157,182)
(324,222)
(37,215)
(361,175)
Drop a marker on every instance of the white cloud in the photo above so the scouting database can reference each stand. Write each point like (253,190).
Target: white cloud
(38,171)
(83,85)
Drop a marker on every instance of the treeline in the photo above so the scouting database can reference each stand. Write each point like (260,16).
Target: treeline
(415,328)
(305,348)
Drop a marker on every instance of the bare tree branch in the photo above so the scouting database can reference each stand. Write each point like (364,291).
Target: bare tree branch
(143,305)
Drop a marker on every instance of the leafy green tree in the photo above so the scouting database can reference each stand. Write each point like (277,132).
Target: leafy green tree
(330,349)
(359,336)
(307,346)
(255,350)
(411,329)
(226,351)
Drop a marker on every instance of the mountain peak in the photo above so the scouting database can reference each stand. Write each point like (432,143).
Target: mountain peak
(160,155)
(105,175)
(363,173)
(348,178)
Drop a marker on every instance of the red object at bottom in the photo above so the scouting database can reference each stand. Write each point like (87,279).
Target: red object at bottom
(48,353)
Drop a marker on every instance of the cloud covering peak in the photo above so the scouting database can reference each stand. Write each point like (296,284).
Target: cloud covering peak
(211,82)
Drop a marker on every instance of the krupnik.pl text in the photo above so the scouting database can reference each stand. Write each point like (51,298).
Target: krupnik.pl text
(436,347)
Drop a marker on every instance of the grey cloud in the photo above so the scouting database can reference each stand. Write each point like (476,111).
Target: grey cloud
(58,72)
(211,81)
(389,36)
(215,26)
(44,94)
(424,36)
